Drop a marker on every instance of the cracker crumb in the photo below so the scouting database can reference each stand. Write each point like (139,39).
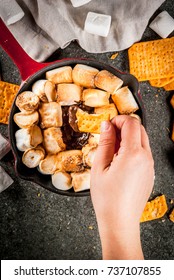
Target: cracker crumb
(113,56)
(90,227)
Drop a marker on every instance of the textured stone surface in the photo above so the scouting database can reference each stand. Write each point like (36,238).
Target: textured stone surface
(38,224)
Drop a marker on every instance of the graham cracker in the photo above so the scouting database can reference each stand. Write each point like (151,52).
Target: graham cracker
(152,59)
(171,216)
(154,209)
(7,95)
(169,86)
(90,122)
(161,82)
(172,101)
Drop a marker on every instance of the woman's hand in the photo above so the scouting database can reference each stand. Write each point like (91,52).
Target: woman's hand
(122,178)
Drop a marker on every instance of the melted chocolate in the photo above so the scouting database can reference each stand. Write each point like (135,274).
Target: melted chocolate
(71,136)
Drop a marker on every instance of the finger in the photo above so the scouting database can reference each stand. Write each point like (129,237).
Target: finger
(145,139)
(130,131)
(106,147)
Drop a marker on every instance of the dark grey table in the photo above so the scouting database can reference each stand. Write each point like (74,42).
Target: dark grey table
(38,224)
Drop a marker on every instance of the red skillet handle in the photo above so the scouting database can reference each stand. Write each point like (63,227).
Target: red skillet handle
(27,66)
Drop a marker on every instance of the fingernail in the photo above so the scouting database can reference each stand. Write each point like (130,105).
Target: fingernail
(105,125)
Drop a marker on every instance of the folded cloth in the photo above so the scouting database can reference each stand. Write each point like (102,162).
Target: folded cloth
(52,24)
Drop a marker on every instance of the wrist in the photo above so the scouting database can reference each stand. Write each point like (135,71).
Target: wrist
(121,243)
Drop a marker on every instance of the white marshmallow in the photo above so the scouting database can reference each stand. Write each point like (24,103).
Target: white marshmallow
(5,180)
(163,24)
(4,147)
(98,24)
(62,181)
(10,11)
(78,3)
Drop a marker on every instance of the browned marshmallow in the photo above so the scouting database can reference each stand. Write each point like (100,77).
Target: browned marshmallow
(69,94)
(27,101)
(81,180)
(28,137)
(51,115)
(39,89)
(107,81)
(83,75)
(125,101)
(60,75)
(25,119)
(53,141)
(88,154)
(70,161)
(32,157)
(48,165)
(61,180)
(95,97)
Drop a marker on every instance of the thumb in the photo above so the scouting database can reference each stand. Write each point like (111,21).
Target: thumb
(106,147)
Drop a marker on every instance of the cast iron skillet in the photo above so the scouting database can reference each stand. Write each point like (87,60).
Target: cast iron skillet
(32,71)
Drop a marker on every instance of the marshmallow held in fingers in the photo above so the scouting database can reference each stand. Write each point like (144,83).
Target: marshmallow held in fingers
(5,180)
(61,180)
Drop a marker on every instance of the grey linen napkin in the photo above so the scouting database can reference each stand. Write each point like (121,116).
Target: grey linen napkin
(52,24)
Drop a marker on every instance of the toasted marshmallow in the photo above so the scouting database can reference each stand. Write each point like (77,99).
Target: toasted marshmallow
(61,180)
(81,180)
(70,161)
(25,119)
(111,109)
(125,101)
(39,89)
(51,115)
(48,165)
(68,94)
(53,141)
(60,75)
(28,138)
(83,75)
(50,91)
(88,154)
(27,101)
(107,81)
(94,139)
(32,157)
(95,97)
